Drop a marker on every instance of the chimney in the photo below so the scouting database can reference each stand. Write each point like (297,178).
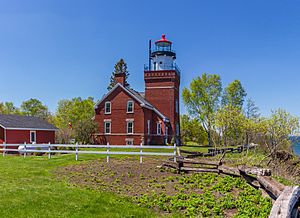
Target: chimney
(120,78)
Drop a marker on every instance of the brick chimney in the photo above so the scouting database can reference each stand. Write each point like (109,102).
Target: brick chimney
(120,78)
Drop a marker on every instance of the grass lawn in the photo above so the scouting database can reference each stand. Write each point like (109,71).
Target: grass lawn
(29,188)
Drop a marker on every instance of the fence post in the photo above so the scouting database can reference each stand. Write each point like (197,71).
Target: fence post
(175,152)
(107,151)
(76,156)
(4,149)
(25,150)
(141,152)
(49,150)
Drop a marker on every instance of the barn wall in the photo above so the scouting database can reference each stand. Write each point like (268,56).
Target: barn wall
(2,137)
(21,136)
(17,136)
(45,137)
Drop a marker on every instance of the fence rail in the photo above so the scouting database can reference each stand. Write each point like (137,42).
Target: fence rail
(49,149)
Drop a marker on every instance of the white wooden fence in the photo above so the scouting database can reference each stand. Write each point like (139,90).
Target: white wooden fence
(24,149)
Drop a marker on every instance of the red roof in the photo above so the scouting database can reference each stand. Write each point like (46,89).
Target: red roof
(163,39)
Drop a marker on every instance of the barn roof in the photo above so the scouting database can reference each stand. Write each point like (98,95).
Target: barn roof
(24,122)
(139,96)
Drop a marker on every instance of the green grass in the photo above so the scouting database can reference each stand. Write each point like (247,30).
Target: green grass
(29,189)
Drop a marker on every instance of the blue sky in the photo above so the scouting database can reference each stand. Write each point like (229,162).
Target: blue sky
(57,49)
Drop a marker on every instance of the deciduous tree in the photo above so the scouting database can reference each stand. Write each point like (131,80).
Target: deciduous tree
(234,94)
(202,100)
(34,107)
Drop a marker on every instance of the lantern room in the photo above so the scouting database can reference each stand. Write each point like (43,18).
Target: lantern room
(162,56)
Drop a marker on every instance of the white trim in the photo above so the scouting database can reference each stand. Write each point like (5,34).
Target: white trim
(130,101)
(121,134)
(158,127)
(134,97)
(107,102)
(2,126)
(30,139)
(160,87)
(129,140)
(148,127)
(4,135)
(31,129)
(105,122)
(130,121)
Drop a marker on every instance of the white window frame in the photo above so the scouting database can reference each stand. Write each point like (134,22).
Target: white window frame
(32,141)
(127,126)
(148,127)
(132,102)
(158,128)
(107,133)
(106,103)
(129,141)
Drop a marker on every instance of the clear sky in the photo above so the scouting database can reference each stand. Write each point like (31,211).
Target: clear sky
(60,49)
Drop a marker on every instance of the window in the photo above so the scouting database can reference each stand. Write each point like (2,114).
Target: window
(129,127)
(107,127)
(129,141)
(158,128)
(130,107)
(32,137)
(177,106)
(107,107)
(148,127)
(154,65)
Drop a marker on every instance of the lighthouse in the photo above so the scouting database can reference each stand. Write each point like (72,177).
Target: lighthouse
(162,85)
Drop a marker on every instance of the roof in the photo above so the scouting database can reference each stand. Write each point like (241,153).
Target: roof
(24,122)
(164,41)
(139,96)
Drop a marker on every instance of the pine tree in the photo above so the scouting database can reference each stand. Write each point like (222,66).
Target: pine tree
(120,67)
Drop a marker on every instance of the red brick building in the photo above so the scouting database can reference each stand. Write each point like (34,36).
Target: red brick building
(126,116)
(15,129)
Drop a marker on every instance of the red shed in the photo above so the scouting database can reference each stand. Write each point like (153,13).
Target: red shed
(16,129)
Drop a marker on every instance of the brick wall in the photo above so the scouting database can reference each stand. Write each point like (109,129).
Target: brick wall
(118,116)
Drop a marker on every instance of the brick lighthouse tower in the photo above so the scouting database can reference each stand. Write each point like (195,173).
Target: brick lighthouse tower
(162,81)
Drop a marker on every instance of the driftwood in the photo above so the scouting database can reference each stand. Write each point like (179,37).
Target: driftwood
(286,205)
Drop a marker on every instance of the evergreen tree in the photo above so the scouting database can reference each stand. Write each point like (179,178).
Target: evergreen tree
(120,67)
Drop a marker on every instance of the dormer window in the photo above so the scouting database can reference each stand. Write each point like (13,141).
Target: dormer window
(108,107)
(130,106)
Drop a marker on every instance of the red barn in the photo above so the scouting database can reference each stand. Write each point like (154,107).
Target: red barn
(16,129)
(125,116)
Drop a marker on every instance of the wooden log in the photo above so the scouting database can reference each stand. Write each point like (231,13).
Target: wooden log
(199,170)
(190,152)
(286,206)
(229,170)
(271,185)
(189,161)
(255,171)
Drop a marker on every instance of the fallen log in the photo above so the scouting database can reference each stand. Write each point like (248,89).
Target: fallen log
(229,170)
(286,205)
(199,170)
(271,185)
(255,171)
(189,161)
